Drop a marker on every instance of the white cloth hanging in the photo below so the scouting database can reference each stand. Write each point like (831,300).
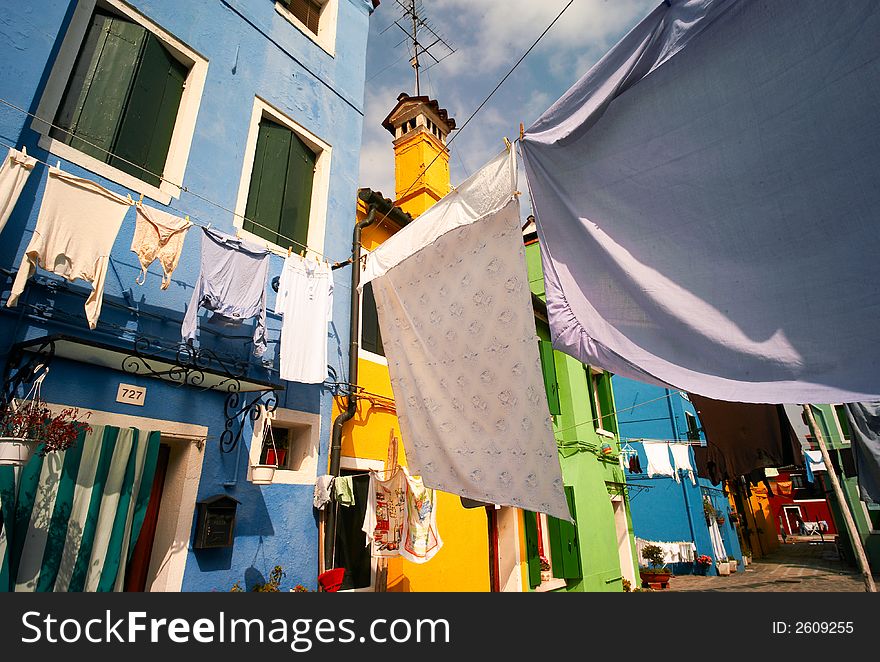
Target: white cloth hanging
(458,329)
(817,462)
(158,235)
(673,552)
(681,459)
(717,541)
(14,173)
(305,302)
(421,539)
(658,459)
(76,228)
(706,189)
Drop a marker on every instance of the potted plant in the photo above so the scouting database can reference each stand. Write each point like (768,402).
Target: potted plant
(732,562)
(546,574)
(263,472)
(655,575)
(709,511)
(720,520)
(28,425)
(702,563)
(723,567)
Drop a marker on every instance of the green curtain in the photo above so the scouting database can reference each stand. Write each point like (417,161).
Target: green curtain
(71,522)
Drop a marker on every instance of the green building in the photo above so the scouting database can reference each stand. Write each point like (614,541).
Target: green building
(597,552)
(834,427)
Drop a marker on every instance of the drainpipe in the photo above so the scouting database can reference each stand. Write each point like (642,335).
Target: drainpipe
(351,408)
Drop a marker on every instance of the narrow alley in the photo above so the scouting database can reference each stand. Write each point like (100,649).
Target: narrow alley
(805,565)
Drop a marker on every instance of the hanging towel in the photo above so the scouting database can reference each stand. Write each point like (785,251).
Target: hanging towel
(678,217)
(864,424)
(76,228)
(421,541)
(343,491)
(813,462)
(158,234)
(458,329)
(305,302)
(232,284)
(681,458)
(323,486)
(635,465)
(79,512)
(658,459)
(386,514)
(14,173)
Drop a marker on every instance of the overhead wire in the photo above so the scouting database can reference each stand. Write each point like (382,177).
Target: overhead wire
(479,108)
(162,178)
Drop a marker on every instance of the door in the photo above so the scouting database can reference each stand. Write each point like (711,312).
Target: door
(139,563)
(792,516)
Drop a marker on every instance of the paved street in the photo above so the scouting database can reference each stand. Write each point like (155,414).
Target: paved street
(803,566)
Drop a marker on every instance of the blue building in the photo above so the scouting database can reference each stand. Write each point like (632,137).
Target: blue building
(669,510)
(242,115)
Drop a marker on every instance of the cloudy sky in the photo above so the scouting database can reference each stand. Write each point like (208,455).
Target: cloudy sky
(489,37)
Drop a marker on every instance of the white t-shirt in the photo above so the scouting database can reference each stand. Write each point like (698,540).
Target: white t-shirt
(305,302)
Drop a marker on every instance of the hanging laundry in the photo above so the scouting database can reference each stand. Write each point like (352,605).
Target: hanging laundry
(305,302)
(420,538)
(386,514)
(458,329)
(813,462)
(323,487)
(635,465)
(658,459)
(158,235)
(673,552)
(14,173)
(343,491)
(864,424)
(662,263)
(232,284)
(76,228)
(681,457)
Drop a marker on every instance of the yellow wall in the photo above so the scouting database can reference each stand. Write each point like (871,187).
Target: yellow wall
(412,155)
(761,517)
(462,564)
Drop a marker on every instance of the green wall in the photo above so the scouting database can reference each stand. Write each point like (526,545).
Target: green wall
(584,467)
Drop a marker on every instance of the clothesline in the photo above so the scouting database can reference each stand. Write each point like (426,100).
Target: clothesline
(161,178)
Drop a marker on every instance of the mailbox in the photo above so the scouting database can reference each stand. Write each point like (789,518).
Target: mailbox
(215,526)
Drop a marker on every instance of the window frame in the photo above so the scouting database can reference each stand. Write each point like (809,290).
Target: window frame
(594,377)
(365,353)
(320,181)
(554,583)
(327,24)
(187,112)
(291,419)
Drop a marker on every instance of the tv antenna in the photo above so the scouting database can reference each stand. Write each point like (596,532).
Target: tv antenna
(424,36)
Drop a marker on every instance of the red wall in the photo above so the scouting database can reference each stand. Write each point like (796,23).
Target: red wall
(811,509)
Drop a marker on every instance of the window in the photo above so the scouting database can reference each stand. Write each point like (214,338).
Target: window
(552,548)
(797,481)
(599,384)
(842,422)
(371,335)
(316,19)
(123,96)
(280,193)
(296,437)
(693,428)
(282,196)
(548,369)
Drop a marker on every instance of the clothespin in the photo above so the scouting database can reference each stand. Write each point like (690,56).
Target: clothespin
(141,201)
(130,199)
(522,131)
(507,143)
(289,250)
(302,253)
(186,218)
(58,164)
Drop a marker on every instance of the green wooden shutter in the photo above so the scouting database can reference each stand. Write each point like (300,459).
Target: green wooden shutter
(266,192)
(371,336)
(146,128)
(548,368)
(564,545)
(98,89)
(298,191)
(532,557)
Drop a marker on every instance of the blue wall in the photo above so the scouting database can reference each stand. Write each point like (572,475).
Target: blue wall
(668,511)
(252,51)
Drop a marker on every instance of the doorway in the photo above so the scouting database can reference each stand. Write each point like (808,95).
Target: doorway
(792,519)
(139,564)
(624,549)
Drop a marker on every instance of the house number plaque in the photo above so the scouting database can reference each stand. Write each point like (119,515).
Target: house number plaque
(131,395)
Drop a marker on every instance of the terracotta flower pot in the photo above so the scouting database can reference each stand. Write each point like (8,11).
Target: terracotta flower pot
(15,451)
(654,578)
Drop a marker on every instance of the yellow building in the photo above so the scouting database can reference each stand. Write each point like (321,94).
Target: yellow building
(420,128)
